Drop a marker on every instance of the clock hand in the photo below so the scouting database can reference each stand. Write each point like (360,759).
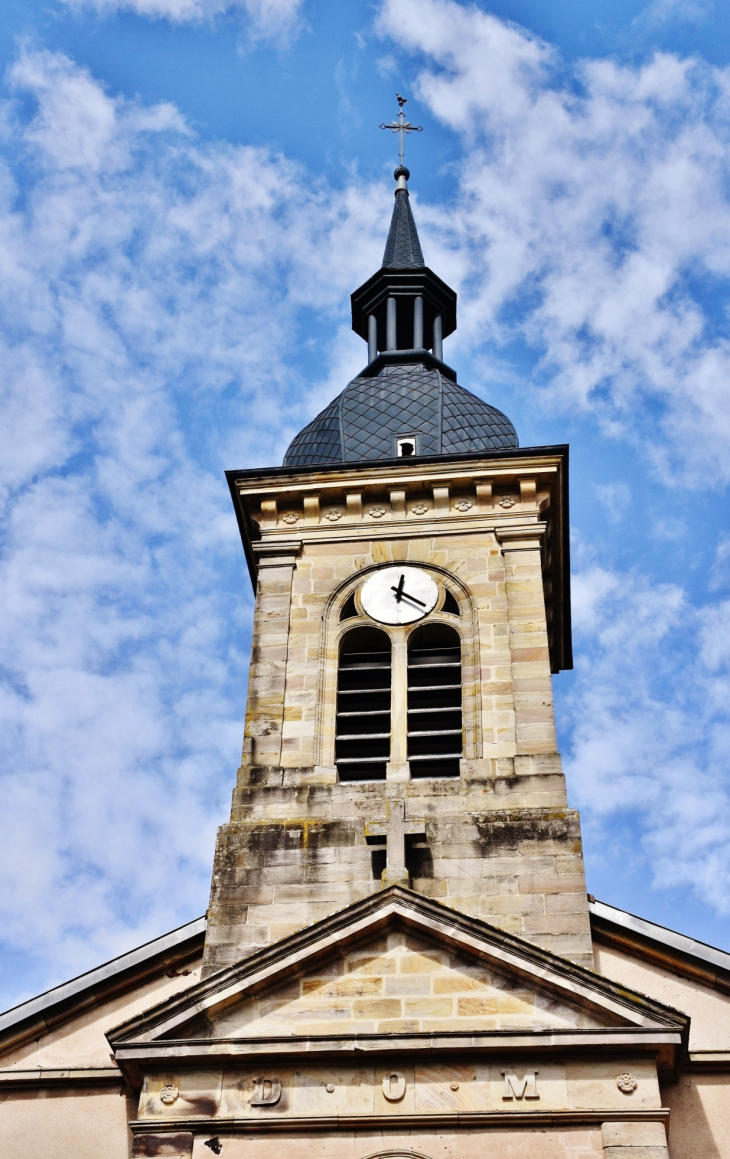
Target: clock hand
(413,599)
(399,590)
(400,593)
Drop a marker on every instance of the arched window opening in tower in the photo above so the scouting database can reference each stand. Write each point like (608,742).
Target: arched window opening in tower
(450,604)
(434,701)
(349,608)
(362,738)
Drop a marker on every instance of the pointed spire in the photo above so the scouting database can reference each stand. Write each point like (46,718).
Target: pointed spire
(402,249)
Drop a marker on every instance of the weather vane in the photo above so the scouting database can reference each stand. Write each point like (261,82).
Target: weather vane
(402,126)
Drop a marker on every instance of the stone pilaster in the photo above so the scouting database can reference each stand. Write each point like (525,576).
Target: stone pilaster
(529,653)
(634,1141)
(269,653)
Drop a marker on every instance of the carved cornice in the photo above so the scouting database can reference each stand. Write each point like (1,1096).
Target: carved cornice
(423,497)
(282,553)
(524,537)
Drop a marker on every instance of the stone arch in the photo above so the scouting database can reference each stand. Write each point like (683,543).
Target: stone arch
(333,629)
(435,716)
(398,1153)
(363,719)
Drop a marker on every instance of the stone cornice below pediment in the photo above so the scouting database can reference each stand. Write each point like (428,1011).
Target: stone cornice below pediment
(610,1039)
(403,1122)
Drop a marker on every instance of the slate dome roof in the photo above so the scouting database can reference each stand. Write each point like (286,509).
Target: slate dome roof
(365,420)
(404,311)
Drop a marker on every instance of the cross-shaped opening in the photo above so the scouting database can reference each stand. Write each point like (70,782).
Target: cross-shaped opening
(397,832)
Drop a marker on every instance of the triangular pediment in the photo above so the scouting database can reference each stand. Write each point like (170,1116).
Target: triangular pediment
(398,983)
(396,963)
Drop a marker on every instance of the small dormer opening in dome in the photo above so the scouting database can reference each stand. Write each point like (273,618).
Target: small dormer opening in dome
(406,447)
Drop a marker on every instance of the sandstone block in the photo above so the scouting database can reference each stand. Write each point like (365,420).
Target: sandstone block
(401,986)
(565,903)
(431,1007)
(469,1007)
(633,1135)
(555,923)
(551,883)
(377,1008)
(423,963)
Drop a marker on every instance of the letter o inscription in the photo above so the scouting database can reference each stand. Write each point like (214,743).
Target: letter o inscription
(394,1085)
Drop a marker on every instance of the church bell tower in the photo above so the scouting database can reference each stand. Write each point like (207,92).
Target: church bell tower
(410,564)
(398,960)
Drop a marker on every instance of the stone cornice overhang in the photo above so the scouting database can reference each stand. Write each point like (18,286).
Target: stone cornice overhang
(386,472)
(666,948)
(55,1078)
(402,1122)
(664,1046)
(639,1024)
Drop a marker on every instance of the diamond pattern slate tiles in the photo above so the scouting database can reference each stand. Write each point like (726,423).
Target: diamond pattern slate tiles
(470,424)
(403,400)
(320,441)
(360,424)
(402,249)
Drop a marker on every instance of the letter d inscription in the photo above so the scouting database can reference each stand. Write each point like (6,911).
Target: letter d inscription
(266,1092)
(515,1088)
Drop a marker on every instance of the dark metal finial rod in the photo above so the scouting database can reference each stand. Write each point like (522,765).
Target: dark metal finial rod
(402,126)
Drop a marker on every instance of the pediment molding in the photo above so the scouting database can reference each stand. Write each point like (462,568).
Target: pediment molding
(622,1015)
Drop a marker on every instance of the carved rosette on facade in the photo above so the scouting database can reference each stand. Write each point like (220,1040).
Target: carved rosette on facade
(626,1083)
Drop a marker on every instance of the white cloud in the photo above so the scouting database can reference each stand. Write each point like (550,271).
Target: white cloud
(615,498)
(720,572)
(650,727)
(155,296)
(592,220)
(268,20)
(661,12)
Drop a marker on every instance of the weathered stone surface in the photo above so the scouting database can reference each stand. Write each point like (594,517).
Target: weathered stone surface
(500,842)
(401,978)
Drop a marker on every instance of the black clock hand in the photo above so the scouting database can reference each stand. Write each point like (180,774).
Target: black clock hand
(413,599)
(399,590)
(400,593)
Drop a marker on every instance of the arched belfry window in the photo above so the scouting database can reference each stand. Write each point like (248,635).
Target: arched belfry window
(362,738)
(434,701)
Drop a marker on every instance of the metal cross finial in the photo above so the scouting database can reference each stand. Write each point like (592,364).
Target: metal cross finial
(402,126)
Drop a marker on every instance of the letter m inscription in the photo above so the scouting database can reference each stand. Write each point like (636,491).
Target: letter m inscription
(524,1088)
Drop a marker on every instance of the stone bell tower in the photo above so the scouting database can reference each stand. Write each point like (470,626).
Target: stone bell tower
(410,563)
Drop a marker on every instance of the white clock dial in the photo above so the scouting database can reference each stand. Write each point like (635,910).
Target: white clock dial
(399,595)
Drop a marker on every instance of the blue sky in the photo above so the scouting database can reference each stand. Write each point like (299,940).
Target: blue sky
(189,191)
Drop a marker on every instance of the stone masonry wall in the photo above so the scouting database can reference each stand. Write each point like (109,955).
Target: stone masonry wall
(500,842)
(505,849)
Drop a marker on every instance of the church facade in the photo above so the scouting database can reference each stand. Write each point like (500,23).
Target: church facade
(399,958)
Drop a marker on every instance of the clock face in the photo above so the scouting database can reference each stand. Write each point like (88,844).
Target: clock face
(399,595)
